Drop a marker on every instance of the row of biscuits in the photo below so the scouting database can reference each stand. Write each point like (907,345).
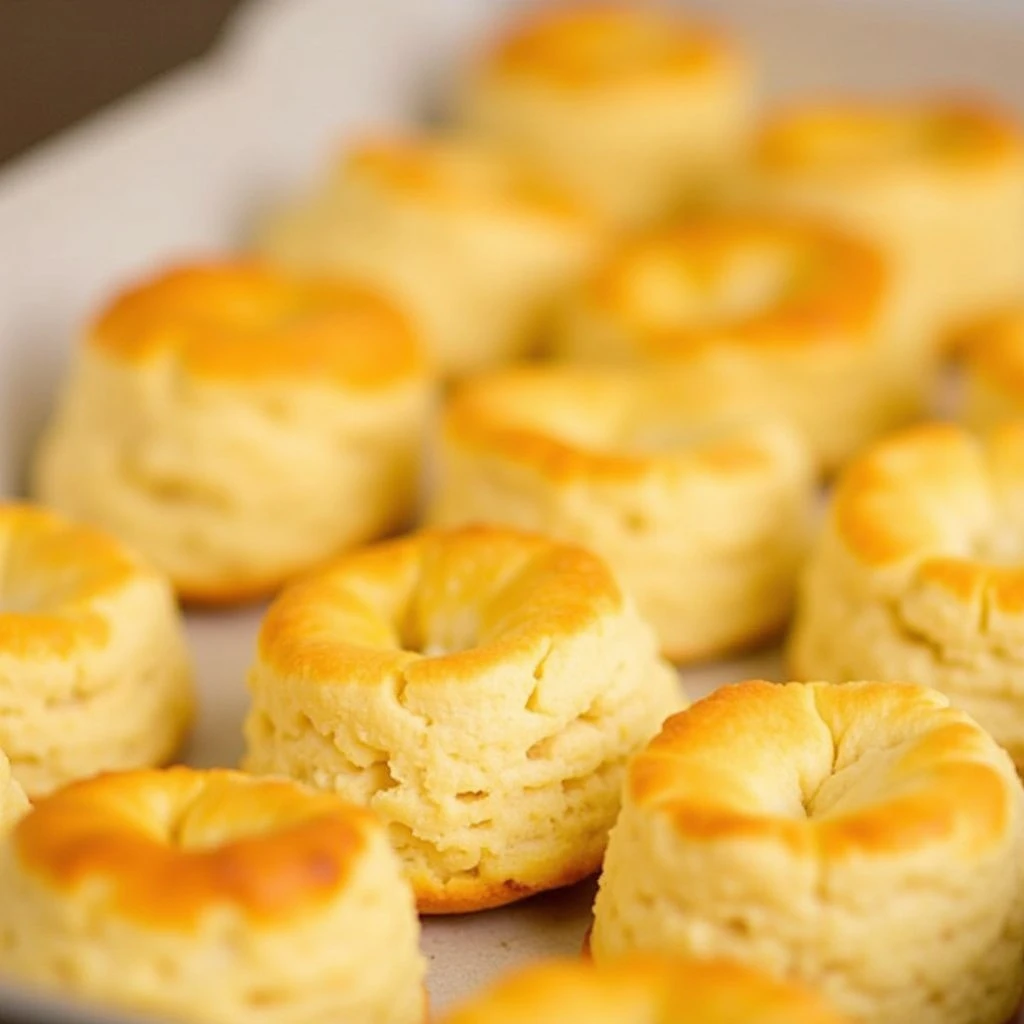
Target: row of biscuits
(488,693)
(240,422)
(457,719)
(240,426)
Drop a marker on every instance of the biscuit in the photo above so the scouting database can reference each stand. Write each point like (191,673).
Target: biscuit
(211,896)
(635,110)
(993,360)
(642,990)
(704,513)
(478,689)
(865,839)
(238,425)
(475,249)
(919,574)
(773,313)
(938,184)
(94,672)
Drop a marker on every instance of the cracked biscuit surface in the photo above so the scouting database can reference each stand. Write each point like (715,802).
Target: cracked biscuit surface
(703,511)
(937,183)
(773,314)
(643,990)
(238,425)
(479,689)
(865,839)
(918,574)
(94,670)
(635,109)
(211,896)
(473,246)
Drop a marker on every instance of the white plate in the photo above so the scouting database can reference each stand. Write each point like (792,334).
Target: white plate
(176,170)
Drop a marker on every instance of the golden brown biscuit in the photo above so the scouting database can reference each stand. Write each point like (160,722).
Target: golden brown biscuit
(939,184)
(919,574)
(95,675)
(642,990)
(211,896)
(865,839)
(238,425)
(634,109)
(703,512)
(773,314)
(474,247)
(478,689)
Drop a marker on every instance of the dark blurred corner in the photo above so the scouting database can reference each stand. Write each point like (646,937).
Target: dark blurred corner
(62,59)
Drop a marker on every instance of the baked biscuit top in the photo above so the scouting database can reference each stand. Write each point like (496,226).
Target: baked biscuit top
(643,989)
(242,322)
(168,847)
(609,47)
(829,771)
(855,138)
(56,580)
(460,176)
(764,282)
(571,423)
(440,605)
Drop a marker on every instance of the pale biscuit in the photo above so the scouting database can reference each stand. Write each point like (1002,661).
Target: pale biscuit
(864,839)
(94,672)
(919,574)
(642,990)
(238,425)
(474,247)
(634,109)
(213,897)
(703,512)
(993,352)
(774,314)
(938,184)
(479,689)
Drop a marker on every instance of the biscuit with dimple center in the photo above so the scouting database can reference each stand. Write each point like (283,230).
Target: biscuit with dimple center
(919,574)
(635,110)
(94,672)
(938,184)
(642,990)
(865,839)
(474,248)
(213,897)
(773,314)
(479,689)
(703,512)
(238,425)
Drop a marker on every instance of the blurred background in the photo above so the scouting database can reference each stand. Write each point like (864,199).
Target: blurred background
(62,59)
